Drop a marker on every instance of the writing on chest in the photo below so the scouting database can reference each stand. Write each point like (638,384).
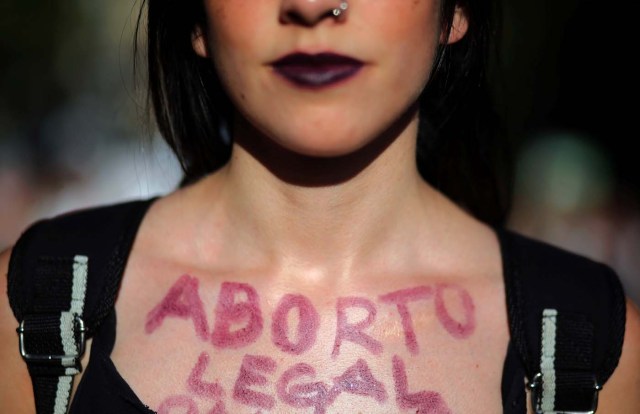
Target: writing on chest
(239,321)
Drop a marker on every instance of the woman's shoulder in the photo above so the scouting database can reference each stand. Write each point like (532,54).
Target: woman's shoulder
(620,394)
(529,250)
(103,233)
(15,383)
(80,219)
(544,267)
(84,231)
(543,275)
(49,249)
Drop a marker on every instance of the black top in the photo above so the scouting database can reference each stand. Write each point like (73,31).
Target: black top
(537,275)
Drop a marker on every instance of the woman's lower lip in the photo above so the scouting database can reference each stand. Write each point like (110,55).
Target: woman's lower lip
(308,76)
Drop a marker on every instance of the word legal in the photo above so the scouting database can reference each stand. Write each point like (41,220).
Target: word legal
(298,388)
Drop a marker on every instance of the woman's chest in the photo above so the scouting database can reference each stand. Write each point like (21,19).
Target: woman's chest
(236,346)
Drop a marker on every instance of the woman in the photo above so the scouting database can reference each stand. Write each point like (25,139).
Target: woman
(306,265)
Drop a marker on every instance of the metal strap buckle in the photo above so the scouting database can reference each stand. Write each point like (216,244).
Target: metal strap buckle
(535,386)
(63,360)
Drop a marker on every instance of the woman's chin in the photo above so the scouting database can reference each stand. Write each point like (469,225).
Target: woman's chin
(323,147)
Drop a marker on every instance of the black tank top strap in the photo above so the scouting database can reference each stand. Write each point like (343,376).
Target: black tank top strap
(514,398)
(566,318)
(63,278)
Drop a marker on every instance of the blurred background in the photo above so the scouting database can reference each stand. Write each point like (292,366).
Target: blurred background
(74,133)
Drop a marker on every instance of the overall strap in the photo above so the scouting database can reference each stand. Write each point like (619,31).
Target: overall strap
(64,275)
(567,319)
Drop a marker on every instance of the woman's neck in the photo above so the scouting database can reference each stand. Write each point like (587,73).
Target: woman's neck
(337,217)
(332,221)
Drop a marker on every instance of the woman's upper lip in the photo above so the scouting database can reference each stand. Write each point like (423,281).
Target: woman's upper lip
(315,59)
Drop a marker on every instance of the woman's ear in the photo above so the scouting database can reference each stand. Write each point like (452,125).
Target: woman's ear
(199,42)
(459,26)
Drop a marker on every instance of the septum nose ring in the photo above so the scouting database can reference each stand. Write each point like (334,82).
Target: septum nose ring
(341,9)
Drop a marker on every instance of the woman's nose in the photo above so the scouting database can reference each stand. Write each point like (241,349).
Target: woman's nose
(311,12)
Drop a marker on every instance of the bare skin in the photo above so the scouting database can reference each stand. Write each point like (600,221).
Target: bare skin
(333,213)
(458,251)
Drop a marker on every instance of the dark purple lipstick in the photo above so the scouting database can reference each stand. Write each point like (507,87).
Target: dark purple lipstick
(318,70)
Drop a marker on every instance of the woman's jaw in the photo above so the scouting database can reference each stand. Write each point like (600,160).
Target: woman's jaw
(392,149)
(316,85)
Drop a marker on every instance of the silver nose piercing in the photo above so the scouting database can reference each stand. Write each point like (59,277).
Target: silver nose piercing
(341,9)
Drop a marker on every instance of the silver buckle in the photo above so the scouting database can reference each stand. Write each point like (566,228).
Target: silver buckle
(535,386)
(64,360)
